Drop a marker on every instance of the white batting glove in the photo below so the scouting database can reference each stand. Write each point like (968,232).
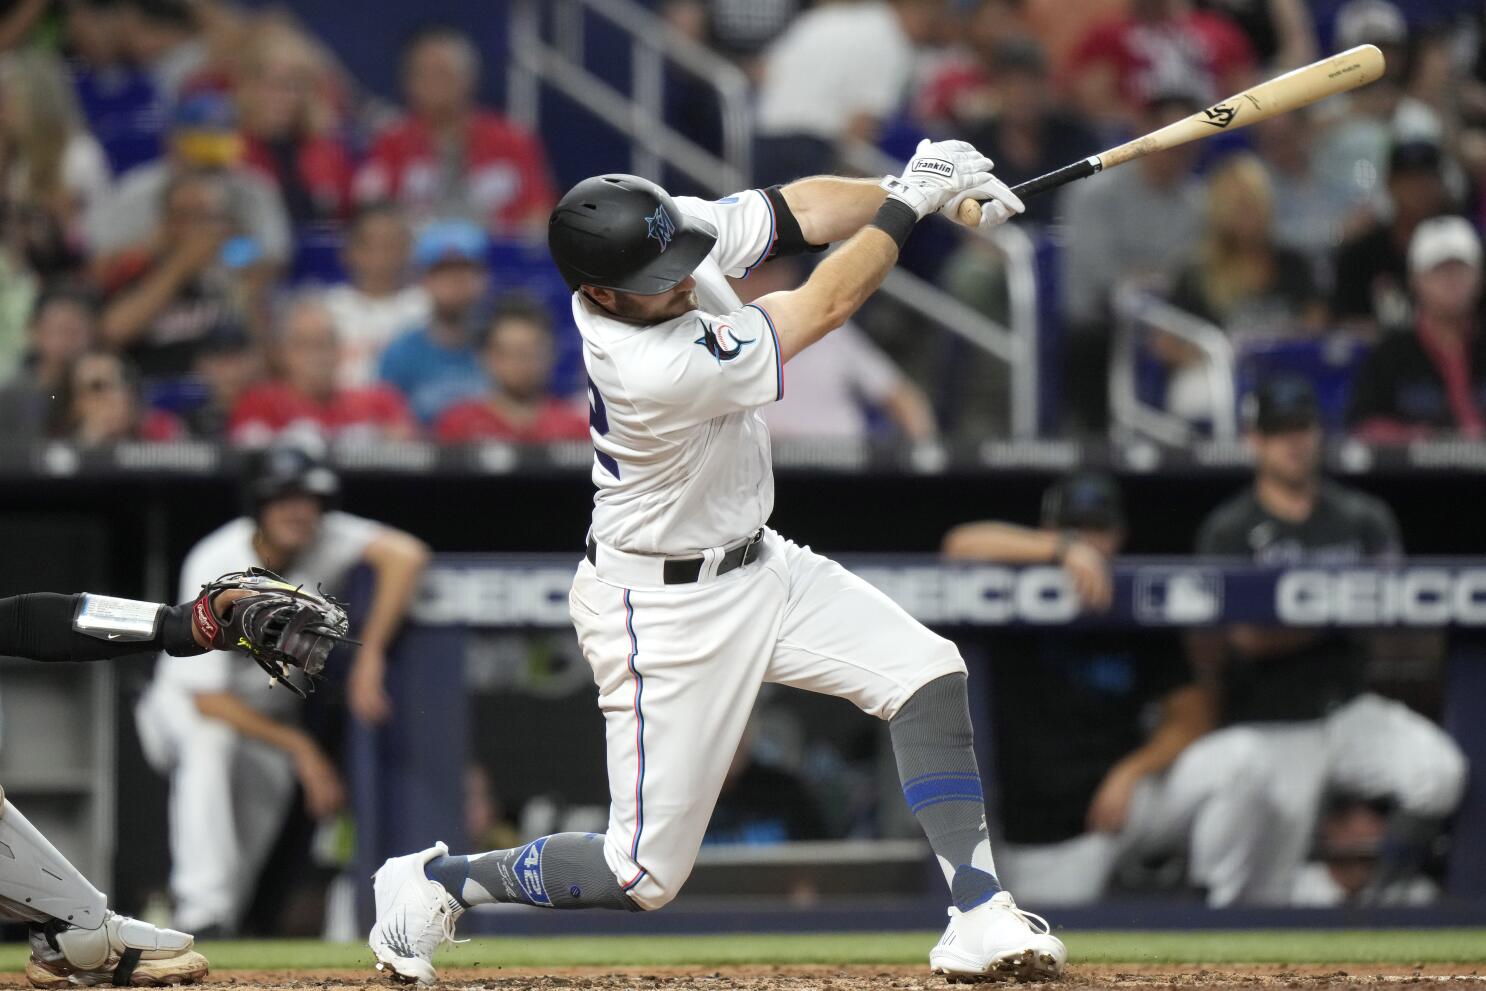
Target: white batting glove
(938,171)
(998,203)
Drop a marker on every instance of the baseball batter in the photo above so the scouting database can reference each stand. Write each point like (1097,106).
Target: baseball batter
(686,602)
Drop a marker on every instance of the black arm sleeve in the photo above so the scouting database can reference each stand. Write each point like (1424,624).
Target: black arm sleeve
(788,239)
(38,626)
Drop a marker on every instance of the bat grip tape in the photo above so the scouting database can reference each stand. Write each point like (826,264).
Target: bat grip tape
(1052,180)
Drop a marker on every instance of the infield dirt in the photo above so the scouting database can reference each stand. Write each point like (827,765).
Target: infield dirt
(1121,977)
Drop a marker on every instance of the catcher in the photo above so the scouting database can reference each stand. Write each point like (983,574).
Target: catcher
(75,938)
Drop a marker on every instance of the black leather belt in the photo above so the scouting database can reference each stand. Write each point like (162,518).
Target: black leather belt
(685,570)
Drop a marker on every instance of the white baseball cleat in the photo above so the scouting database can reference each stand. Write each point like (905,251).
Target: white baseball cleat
(996,941)
(123,952)
(415,916)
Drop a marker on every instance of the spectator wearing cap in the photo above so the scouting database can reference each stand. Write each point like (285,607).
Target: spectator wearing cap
(63,326)
(1295,715)
(165,297)
(1371,291)
(282,96)
(1112,710)
(1135,224)
(1157,45)
(518,405)
(1432,380)
(378,303)
(164,38)
(305,393)
(449,158)
(836,73)
(203,138)
(438,364)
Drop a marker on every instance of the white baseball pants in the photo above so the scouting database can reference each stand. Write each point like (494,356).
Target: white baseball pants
(678,668)
(229,797)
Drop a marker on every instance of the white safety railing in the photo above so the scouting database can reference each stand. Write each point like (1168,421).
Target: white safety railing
(548,47)
(1137,314)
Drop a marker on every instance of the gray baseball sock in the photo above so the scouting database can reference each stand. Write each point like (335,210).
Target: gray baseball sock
(936,763)
(564,870)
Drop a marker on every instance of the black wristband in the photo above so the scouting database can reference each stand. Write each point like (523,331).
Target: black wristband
(175,631)
(896,219)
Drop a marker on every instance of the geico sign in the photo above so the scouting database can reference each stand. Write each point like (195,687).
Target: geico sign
(494,596)
(1410,597)
(978,595)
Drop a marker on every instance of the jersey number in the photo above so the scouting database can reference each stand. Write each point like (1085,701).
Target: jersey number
(598,422)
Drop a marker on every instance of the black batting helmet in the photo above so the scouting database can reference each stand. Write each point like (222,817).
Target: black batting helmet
(288,469)
(624,233)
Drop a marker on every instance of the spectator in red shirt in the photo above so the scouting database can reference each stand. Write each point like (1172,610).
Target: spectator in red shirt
(287,119)
(305,394)
(99,403)
(1161,44)
(450,159)
(518,358)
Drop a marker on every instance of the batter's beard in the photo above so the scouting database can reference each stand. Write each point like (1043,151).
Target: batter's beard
(631,308)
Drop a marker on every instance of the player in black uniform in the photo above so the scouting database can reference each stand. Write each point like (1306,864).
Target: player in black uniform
(1298,722)
(1109,709)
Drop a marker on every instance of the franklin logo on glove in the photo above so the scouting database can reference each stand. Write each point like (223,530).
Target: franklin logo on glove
(936,166)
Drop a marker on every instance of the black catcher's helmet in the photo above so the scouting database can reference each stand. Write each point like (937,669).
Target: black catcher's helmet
(624,233)
(288,468)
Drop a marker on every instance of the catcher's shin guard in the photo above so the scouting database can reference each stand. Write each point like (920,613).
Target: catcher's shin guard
(37,882)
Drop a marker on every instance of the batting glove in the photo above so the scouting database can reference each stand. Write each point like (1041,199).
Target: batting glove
(938,171)
(998,203)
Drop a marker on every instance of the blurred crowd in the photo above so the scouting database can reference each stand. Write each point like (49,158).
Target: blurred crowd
(211,229)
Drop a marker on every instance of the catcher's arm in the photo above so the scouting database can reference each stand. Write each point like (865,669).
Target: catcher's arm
(45,626)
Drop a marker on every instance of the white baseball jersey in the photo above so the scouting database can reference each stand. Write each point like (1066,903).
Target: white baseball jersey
(682,459)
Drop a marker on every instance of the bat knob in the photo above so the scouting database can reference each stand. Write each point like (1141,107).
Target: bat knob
(969,213)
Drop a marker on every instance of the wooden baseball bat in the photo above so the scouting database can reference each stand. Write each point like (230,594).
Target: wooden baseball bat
(1336,74)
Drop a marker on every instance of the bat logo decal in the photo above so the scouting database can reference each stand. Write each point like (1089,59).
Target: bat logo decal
(1221,115)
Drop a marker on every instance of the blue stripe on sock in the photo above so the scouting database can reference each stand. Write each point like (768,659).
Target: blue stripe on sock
(931,789)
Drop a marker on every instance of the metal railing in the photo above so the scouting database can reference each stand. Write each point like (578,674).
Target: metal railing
(547,46)
(640,114)
(1016,345)
(1137,312)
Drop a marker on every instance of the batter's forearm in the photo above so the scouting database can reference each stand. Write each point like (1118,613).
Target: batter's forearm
(39,626)
(836,290)
(830,209)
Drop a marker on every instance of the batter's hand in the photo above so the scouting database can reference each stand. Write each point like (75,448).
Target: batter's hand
(998,203)
(937,172)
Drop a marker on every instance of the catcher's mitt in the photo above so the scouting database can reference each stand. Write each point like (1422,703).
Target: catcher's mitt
(279,625)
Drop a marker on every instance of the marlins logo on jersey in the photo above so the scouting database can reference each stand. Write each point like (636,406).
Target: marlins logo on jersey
(720,341)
